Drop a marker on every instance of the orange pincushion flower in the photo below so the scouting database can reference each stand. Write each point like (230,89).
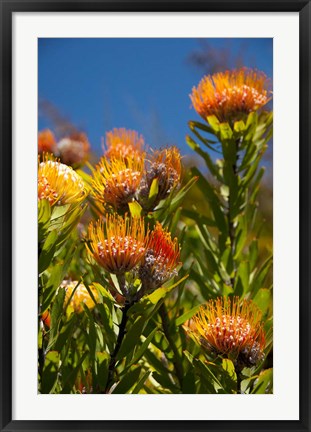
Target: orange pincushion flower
(74,149)
(80,295)
(46,141)
(124,143)
(59,183)
(165,166)
(117,245)
(115,182)
(229,94)
(161,259)
(231,328)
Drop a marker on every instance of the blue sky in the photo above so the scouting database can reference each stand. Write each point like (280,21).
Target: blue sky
(140,84)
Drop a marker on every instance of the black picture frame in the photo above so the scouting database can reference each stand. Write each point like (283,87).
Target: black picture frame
(7,9)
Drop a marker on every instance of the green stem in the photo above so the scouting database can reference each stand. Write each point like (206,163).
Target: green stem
(121,334)
(177,360)
(122,331)
(232,229)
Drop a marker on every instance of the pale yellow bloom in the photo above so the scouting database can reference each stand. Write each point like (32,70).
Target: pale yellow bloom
(59,183)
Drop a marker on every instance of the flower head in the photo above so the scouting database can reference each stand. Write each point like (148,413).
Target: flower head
(165,166)
(117,245)
(229,94)
(124,143)
(46,141)
(80,295)
(230,328)
(59,183)
(160,260)
(74,149)
(115,182)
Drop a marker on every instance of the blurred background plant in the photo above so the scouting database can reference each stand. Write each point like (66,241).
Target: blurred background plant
(146,237)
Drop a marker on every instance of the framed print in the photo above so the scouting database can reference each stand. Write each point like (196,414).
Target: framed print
(155,216)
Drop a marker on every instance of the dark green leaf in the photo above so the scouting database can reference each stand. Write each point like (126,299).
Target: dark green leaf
(128,381)
(132,337)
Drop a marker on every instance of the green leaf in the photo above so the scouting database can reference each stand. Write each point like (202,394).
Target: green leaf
(189,384)
(69,374)
(162,292)
(195,124)
(107,324)
(50,372)
(90,332)
(198,218)
(71,221)
(56,314)
(243,276)
(209,191)
(214,123)
(229,378)
(104,292)
(102,360)
(174,221)
(66,333)
(264,383)
(116,283)
(156,364)
(178,198)
(44,215)
(132,337)
(141,383)
(59,211)
(209,163)
(128,381)
(263,300)
(260,276)
(135,209)
(165,382)
(47,252)
(253,254)
(51,286)
(186,316)
(241,236)
(153,192)
(141,350)
(205,372)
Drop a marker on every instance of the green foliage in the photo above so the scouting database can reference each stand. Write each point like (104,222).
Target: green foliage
(127,338)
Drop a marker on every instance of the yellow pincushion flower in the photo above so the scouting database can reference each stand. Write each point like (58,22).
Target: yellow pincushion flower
(59,183)
(124,143)
(228,95)
(81,295)
(231,328)
(118,244)
(115,182)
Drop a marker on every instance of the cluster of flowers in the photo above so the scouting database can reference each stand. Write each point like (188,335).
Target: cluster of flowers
(126,172)
(230,327)
(120,244)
